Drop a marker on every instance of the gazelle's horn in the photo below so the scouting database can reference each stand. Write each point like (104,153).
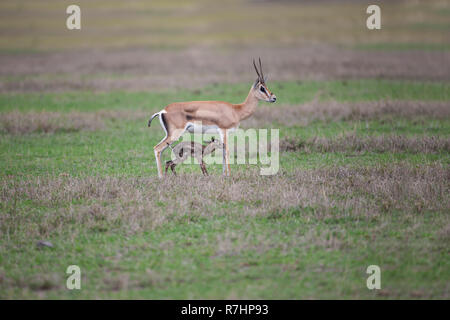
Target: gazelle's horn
(256,69)
(260,69)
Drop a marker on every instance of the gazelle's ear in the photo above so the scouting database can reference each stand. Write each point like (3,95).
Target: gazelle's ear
(256,83)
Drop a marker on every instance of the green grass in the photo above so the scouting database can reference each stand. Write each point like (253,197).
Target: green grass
(130,153)
(179,261)
(288,93)
(233,248)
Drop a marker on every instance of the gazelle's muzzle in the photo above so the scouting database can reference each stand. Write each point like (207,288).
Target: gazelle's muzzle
(273,98)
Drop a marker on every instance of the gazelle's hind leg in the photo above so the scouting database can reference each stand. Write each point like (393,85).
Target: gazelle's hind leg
(172,135)
(160,147)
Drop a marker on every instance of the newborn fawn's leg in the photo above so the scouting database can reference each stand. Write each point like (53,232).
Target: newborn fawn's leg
(198,154)
(181,155)
(172,165)
(202,165)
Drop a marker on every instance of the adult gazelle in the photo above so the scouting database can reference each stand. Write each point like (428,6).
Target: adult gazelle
(218,116)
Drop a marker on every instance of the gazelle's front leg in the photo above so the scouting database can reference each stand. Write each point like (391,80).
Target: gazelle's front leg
(227,158)
(226,155)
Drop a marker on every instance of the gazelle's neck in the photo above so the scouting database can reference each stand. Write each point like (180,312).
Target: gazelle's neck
(247,108)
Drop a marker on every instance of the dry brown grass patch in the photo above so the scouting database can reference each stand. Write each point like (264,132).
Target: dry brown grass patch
(140,69)
(132,205)
(355,143)
(19,123)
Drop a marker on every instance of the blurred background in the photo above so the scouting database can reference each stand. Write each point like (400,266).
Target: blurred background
(154,45)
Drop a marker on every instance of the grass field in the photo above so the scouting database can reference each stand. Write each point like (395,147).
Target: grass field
(78,170)
(364,124)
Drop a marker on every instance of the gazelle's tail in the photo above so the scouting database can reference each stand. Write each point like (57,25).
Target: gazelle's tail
(155,115)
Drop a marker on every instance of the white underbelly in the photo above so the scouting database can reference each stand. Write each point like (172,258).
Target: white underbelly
(211,129)
(199,128)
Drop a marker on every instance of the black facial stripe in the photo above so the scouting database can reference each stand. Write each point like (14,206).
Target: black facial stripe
(265,91)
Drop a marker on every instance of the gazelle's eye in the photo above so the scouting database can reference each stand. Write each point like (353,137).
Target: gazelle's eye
(262,89)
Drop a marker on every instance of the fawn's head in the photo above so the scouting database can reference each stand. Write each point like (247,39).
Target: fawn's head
(213,144)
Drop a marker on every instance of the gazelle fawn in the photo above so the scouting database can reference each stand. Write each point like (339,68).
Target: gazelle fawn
(209,116)
(190,148)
